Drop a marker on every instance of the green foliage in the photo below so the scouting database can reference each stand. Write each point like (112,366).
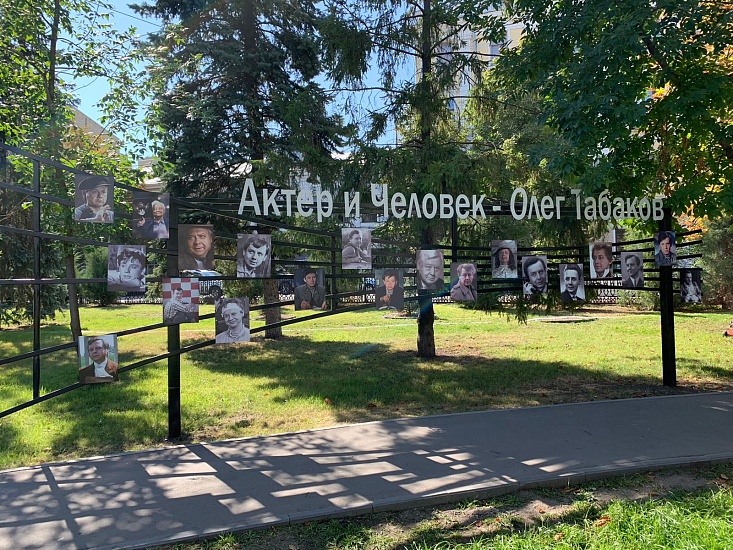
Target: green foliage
(717,262)
(642,89)
(95,267)
(235,92)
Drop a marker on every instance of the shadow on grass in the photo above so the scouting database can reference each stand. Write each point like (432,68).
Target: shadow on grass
(373,382)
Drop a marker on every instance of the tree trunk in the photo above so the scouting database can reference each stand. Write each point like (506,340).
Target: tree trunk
(426,315)
(272,315)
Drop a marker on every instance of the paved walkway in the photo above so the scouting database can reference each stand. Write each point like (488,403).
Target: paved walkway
(140,499)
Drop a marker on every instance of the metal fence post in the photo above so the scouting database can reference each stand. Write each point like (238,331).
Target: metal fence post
(666,301)
(174,335)
(37,276)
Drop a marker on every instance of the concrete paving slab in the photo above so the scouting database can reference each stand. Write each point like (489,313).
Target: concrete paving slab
(139,499)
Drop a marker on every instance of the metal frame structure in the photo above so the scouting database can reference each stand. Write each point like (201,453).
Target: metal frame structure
(387,254)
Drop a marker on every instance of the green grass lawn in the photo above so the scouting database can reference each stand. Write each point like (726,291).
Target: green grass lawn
(679,508)
(353,367)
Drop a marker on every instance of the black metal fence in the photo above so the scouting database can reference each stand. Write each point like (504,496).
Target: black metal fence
(347,290)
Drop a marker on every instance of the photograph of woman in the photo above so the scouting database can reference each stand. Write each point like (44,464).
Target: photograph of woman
(504,263)
(235,312)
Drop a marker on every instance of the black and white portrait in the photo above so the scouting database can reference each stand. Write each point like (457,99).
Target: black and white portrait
(464,282)
(390,292)
(632,270)
(534,275)
(504,259)
(254,252)
(430,270)
(235,313)
(665,249)
(94,199)
(126,265)
(572,285)
(310,290)
(150,215)
(601,260)
(356,248)
(98,361)
(691,286)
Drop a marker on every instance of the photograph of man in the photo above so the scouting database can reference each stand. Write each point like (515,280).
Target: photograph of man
(504,263)
(690,291)
(632,270)
(253,256)
(180,300)
(665,249)
(464,288)
(430,270)
(572,287)
(310,293)
(391,294)
(601,256)
(150,221)
(94,199)
(195,247)
(356,251)
(534,275)
(96,359)
(126,267)
(235,312)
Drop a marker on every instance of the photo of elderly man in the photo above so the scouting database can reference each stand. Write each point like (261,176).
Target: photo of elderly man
(430,270)
(150,215)
(94,199)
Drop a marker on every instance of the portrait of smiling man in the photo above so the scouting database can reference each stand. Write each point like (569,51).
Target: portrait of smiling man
(195,247)
(253,256)
(95,354)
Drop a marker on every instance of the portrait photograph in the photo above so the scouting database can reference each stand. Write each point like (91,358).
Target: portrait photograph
(390,290)
(195,247)
(356,248)
(572,285)
(632,270)
(150,215)
(180,300)
(665,249)
(98,359)
(310,288)
(126,264)
(254,252)
(504,260)
(430,270)
(94,199)
(691,286)
(534,275)
(235,314)
(601,260)
(464,282)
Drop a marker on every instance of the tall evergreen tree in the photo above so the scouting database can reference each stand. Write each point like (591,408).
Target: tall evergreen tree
(237,96)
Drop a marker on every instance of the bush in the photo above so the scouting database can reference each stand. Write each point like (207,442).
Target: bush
(96,268)
(717,262)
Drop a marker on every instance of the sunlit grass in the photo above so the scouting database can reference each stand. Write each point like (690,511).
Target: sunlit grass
(352,367)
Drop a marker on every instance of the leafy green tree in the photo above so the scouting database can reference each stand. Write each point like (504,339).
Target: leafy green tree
(44,45)
(642,89)
(424,38)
